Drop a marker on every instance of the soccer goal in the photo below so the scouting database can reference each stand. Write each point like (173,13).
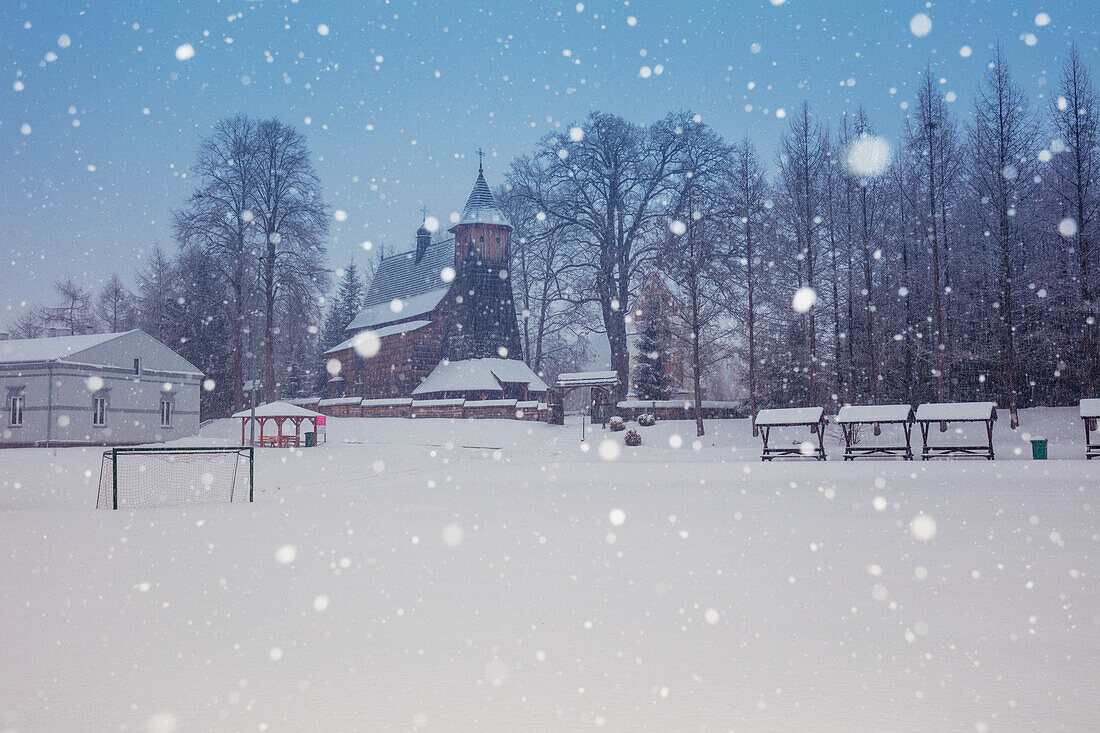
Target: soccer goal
(150,477)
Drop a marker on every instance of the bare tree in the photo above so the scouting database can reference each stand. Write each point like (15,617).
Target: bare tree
(293,222)
(935,140)
(1002,173)
(115,306)
(747,194)
(73,310)
(693,250)
(604,183)
(801,165)
(541,252)
(218,218)
(1076,118)
(158,307)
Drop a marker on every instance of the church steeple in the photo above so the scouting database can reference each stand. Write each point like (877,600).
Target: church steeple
(481,207)
(484,316)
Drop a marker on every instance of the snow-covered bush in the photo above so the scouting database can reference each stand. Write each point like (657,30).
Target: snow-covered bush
(647,420)
(616,424)
(632,437)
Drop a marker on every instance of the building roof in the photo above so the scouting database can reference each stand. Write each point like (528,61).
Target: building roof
(874,413)
(481,207)
(1090,407)
(278,409)
(394,330)
(98,349)
(957,411)
(50,348)
(588,379)
(789,416)
(419,286)
(479,375)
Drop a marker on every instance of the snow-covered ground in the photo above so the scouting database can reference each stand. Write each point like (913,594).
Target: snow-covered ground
(496,575)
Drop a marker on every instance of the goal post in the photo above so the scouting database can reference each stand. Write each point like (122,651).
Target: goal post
(132,478)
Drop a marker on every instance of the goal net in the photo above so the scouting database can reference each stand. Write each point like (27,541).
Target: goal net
(150,477)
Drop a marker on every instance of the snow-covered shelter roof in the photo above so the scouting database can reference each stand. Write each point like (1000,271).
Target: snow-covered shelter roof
(395,329)
(874,413)
(278,409)
(98,349)
(479,375)
(790,416)
(481,207)
(1090,407)
(588,379)
(419,286)
(957,411)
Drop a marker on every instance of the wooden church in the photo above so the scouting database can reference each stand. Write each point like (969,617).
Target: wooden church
(438,321)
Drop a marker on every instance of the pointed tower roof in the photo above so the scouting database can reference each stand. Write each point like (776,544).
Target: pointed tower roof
(481,207)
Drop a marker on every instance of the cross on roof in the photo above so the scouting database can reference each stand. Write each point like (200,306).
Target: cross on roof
(424,211)
(480,155)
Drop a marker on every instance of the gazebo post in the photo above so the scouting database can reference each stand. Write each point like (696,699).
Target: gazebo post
(297,432)
(242,430)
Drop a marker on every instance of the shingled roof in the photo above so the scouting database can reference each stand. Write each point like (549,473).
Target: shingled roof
(481,207)
(418,285)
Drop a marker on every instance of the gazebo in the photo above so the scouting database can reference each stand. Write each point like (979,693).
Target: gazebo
(279,413)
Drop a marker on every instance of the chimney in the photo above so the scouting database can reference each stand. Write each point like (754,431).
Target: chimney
(423,239)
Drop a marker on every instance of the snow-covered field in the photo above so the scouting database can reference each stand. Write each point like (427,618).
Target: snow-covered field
(444,575)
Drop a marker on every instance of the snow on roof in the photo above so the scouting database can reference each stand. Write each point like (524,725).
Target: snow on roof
(387,402)
(278,409)
(491,403)
(51,348)
(410,305)
(479,375)
(402,277)
(456,402)
(597,379)
(303,401)
(874,413)
(1090,407)
(340,401)
(481,207)
(790,416)
(527,405)
(957,411)
(633,404)
(395,329)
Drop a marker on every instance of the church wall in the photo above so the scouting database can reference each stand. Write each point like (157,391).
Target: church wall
(403,361)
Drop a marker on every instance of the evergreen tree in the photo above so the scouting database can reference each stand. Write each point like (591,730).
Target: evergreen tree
(345,307)
(650,380)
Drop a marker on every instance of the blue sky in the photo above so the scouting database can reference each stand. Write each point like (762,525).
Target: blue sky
(97,135)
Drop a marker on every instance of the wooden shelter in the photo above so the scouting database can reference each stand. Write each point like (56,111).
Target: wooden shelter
(812,418)
(851,417)
(279,413)
(1090,413)
(946,413)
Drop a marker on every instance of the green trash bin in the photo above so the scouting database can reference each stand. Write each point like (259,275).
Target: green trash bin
(1039,449)
(311,440)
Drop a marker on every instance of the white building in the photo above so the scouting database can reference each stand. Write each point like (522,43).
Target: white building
(98,389)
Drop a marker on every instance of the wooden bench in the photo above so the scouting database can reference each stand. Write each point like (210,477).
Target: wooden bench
(946,413)
(1090,413)
(852,416)
(792,417)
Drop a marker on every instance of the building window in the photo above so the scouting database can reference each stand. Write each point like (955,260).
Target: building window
(99,411)
(16,404)
(165,413)
(137,366)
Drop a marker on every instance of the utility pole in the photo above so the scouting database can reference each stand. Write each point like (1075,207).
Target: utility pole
(252,348)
